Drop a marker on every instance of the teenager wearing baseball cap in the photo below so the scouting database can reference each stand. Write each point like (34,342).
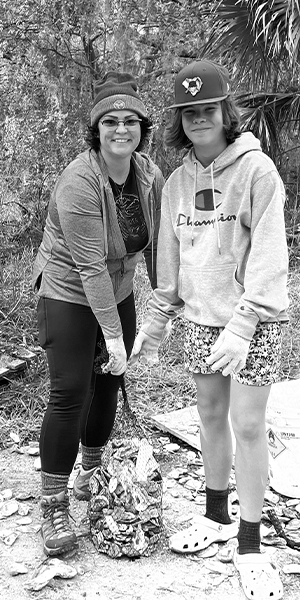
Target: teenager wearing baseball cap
(103,214)
(223,238)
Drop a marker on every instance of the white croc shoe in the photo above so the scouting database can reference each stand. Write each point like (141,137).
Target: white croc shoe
(259,577)
(201,535)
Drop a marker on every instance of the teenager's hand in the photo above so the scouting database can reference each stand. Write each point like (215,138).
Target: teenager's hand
(229,353)
(144,348)
(117,356)
(167,331)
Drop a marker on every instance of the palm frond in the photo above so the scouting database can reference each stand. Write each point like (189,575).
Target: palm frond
(260,119)
(278,24)
(256,35)
(267,115)
(293,26)
(233,36)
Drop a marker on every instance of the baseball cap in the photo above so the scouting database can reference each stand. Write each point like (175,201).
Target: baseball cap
(199,82)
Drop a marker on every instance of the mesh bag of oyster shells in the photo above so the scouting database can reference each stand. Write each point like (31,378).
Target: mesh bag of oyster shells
(125,508)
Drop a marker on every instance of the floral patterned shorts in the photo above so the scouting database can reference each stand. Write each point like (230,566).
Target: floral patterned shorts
(263,361)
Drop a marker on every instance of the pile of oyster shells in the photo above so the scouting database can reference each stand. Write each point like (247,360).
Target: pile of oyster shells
(125,509)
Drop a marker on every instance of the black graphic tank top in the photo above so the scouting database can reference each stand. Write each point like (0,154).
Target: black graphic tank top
(130,214)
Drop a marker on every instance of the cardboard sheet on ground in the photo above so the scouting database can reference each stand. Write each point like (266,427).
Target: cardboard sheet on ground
(183,424)
(283,404)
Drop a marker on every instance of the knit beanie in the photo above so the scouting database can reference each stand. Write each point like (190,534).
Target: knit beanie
(116,91)
(200,82)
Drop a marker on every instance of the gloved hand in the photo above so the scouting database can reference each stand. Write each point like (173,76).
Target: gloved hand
(167,331)
(117,356)
(229,353)
(146,348)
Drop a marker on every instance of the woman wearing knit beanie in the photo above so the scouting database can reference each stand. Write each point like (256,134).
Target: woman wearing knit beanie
(103,214)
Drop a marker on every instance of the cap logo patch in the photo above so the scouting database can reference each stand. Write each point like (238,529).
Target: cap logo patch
(193,85)
(119,104)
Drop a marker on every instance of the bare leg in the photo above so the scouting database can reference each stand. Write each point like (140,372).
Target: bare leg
(213,397)
(248,408)
(213,394)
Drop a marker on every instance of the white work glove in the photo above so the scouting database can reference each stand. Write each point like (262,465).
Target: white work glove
(117,356)
(145,348)
(229,353)
(167,331)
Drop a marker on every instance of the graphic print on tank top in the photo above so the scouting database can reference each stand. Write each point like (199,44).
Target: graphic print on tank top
(130,214)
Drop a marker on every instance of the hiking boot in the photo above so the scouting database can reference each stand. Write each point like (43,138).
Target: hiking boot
(56,532)
(81,490)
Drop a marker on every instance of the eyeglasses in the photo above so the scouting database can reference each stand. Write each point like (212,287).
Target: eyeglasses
(128,122)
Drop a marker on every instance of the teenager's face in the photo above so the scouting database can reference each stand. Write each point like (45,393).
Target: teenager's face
(119,141)
(203,125)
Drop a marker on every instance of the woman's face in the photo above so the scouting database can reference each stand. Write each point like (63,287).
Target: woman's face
(203,125)
(118,140)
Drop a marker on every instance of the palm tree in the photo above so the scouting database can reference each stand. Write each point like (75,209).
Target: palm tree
(261,38)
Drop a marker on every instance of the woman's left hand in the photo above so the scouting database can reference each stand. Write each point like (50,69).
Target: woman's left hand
(229,353)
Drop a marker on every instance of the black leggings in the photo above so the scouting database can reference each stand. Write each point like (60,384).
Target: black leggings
(82,405)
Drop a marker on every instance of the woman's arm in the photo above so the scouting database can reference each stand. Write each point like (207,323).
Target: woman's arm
(150,252)
(80,216)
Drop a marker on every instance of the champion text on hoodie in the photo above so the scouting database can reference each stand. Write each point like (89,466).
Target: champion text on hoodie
(222,251)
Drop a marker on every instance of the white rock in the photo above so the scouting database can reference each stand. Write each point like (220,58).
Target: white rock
(172,447)
(24,521)
(7,494)
(34,451)
(18,568)
(8,508)
(37,464)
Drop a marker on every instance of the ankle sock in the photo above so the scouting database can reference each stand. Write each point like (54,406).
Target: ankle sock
(53,484)
(249,537)
(91,457)
(217,506)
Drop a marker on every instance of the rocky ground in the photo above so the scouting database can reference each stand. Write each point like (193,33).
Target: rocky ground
(163,575)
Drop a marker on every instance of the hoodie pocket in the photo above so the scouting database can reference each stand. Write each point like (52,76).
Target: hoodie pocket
(209,293)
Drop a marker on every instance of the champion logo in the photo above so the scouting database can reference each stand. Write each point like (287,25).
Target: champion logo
(193,85)
(205,201)
(119,104)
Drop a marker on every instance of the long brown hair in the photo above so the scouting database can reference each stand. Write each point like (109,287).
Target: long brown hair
(175,136)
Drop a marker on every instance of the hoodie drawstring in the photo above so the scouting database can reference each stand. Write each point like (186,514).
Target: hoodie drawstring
(194,201)
(152,234)
(215,206)
(214,203)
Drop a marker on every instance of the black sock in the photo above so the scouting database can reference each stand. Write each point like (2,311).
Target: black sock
(217,506)
(249,537)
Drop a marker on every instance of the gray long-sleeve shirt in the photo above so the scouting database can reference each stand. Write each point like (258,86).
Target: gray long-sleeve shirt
(82,257)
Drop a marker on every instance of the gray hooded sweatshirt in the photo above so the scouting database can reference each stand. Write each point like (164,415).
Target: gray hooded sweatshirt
(222,251)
